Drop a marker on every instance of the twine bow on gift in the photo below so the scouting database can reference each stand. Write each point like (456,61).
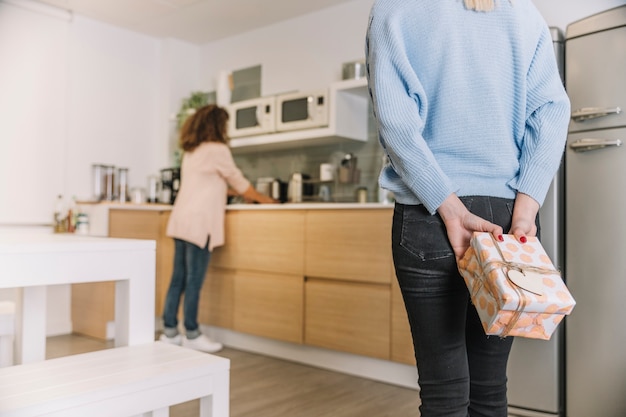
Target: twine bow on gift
(522,278)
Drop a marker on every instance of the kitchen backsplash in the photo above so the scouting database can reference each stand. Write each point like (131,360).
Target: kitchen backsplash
(282,163)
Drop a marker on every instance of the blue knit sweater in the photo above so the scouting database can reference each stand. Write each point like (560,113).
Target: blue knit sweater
(465,102)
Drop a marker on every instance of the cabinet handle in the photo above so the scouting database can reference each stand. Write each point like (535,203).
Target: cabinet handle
(587,113)
(590,144)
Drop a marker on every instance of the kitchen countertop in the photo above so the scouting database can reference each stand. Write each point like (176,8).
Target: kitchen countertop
(126,206)
(98,212)
(284,206)
(308,206)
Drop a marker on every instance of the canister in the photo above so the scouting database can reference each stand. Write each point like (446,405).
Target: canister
(361,195)
(354,70)
(327,172)
(82,224)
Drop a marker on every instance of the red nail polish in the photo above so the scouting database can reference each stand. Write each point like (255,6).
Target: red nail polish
(501,238)
(523,239)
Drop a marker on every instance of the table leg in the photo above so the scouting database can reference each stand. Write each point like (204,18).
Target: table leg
(134,302)
(218,403)
(30,332)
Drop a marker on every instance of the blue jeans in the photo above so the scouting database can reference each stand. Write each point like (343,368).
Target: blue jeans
(461,371)
(190,265)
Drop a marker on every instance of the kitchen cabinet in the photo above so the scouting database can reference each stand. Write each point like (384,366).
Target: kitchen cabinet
(263,240)
(264,260)
(269,305)
(348,121)
(268,256)
(348,288)
(348,316)
(352,245)
(320,277)
(93,304)
(216,306)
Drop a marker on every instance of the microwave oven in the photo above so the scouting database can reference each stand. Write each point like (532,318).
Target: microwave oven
(301,110)
(251,117)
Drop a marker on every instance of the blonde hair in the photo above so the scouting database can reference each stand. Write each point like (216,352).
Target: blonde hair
(480,5)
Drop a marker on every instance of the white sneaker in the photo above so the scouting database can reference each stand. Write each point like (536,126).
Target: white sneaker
(176,340)
(203,344)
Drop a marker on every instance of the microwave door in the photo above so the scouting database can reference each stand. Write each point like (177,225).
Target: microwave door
(247,117)
(296,110)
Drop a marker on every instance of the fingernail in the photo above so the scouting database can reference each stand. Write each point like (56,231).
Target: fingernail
(522,239)
(501,238)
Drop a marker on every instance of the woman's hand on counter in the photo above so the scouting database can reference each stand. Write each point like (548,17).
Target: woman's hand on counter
(253,196)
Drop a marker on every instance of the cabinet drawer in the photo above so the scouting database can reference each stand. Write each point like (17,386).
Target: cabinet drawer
(349,317)
(216,298)
(352,245)
(135,224)
(269,305)
(271,241)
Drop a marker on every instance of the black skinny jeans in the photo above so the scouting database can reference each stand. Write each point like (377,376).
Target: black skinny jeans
(461,371)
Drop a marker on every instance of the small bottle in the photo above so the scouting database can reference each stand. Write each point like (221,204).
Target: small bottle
(59,215)
(71,216)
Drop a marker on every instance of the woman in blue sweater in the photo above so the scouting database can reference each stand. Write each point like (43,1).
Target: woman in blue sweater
(473,116)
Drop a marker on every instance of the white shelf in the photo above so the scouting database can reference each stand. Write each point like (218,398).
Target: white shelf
(348,104)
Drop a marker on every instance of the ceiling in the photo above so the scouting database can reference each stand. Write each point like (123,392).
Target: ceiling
(194,21)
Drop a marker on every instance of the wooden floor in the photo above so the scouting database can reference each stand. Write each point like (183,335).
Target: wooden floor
(266,387)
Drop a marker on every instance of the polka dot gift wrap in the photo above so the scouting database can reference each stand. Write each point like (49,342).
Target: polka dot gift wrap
(514,286)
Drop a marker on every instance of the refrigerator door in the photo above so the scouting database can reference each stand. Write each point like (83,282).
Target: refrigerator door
(535,368)
(596,197)
(596,334)
(596,53)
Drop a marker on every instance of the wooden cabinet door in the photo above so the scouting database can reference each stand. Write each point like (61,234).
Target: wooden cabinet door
(264,240)
(93,308)
(347,316)
(269,305)
(401,340)
(216,299)
(353,245)
(226,256)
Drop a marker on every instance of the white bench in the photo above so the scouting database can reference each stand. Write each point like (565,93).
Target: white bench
(120,382)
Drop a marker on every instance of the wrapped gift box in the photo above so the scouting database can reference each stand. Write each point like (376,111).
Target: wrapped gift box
(514,286)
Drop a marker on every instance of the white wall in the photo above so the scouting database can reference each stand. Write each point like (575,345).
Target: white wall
(74,92)
(113,104)
(33,113)
(298,54)
(180,75)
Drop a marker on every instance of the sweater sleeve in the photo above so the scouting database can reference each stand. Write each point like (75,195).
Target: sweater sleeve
(401,107)
(547,119)
(230,172)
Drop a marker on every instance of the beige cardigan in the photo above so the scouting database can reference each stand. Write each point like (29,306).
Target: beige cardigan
(199,209)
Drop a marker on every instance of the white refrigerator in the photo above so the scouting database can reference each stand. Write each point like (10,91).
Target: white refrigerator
(536,367)
(596,220)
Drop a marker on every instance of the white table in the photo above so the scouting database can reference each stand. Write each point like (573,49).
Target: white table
(30,260)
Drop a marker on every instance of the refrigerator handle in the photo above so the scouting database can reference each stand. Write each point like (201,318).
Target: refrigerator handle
(586,113)
(590,144)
